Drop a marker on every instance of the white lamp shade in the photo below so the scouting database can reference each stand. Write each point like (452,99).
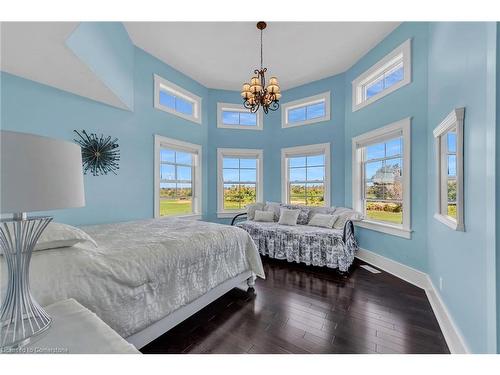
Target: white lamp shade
(39,173)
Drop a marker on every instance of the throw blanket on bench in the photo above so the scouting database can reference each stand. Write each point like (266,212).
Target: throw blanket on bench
(304,244)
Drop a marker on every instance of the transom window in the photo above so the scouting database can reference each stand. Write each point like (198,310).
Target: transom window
(307,176)
(381,178)
(236,116)
(174,99)
(240,179)
(178,177)
(386,79)
(306,111)
(449,165)
(386,76)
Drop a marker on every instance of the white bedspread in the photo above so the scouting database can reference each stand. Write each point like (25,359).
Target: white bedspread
(143,270)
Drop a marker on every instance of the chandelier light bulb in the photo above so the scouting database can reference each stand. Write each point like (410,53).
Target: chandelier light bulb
(273,81)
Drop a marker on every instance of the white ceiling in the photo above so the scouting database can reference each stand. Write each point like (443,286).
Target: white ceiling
(223,55)
(219,55)
(37,51)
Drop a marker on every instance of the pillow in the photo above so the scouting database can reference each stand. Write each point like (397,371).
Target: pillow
(252,208)
(62,235)
(267,216)
(322,210)
(341,220)
(353,215)
(303,212)
(323,220)
(274,207)
(288,217)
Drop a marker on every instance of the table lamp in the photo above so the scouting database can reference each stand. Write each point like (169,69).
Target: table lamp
(36,174)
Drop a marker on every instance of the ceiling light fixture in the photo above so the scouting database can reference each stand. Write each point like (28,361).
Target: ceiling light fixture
(255,94)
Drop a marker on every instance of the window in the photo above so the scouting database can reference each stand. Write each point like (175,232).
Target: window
(174,99)
(386,76)
(177,178)
(306,175)
(236,116)
(449,165)
(306,111)
(381,178)
(240,179)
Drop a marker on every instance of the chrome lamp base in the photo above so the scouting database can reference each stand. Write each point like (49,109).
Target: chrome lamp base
(21,317)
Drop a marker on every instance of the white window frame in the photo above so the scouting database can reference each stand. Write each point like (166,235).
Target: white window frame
(401,54)
(197,150)
(289,152)
(454,120)
(286,107)
(238,153)
(231,107)
(161,83)
(398,128)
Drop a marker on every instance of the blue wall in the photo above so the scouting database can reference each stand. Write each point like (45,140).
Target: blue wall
(106,48)
(34,108)
(497,190)
(459,77)
(453,64)
(409,101)
(273,138)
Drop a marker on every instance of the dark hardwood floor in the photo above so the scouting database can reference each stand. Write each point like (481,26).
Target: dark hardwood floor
(301,309)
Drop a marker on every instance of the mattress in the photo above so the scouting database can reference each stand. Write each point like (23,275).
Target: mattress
(142,271)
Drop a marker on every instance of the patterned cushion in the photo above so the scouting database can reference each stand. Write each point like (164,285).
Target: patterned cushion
(303,215)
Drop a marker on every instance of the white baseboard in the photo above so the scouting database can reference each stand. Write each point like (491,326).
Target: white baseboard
(406,273)
(451,333)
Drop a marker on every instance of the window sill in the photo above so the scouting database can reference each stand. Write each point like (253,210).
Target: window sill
(305,122)
(449,222)
(239,127)
(385,228)
(230,214)
(190,216)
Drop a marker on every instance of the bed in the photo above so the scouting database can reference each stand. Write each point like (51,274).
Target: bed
(145,277)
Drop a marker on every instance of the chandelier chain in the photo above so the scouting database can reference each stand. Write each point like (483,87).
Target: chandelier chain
(261,48)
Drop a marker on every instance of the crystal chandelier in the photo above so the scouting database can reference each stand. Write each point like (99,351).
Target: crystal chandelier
(256,94)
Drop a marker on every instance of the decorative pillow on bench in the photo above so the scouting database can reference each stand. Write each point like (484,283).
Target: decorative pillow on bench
(323,220)
(252,208)
(303,218)
(266,216)
(288,217)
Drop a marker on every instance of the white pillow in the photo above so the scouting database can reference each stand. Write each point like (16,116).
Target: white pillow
(323,220)
(288,217)
(61,235)
(274,207)
(267,216)
(252,208)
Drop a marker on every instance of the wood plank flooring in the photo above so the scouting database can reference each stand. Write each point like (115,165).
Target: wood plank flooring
(301,309)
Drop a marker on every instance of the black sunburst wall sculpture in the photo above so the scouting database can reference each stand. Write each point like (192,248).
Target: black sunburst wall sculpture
(100,154)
